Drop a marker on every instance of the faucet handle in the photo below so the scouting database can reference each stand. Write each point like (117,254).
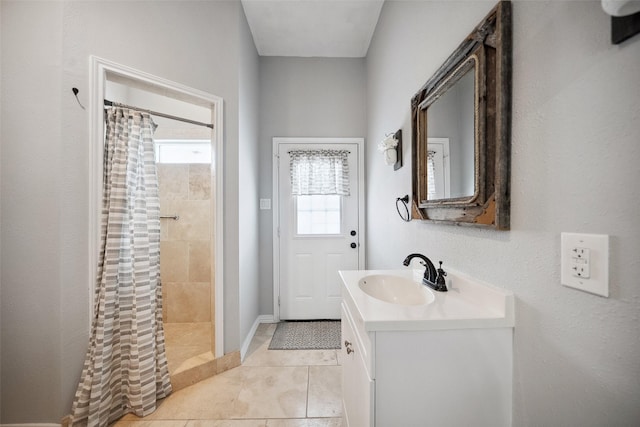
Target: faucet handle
(440,282)
(440,270)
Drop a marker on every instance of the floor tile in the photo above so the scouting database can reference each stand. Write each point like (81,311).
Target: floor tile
(272,392)
(273,388)
(266,329)
(187,344)
(211,399)
(227,423)
(260,355)
(147,423)
(188,334)
(339,356)
(325,391)
(306,422)
(180,358)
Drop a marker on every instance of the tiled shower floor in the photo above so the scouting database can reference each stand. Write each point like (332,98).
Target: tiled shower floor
(187,345)
(272,388)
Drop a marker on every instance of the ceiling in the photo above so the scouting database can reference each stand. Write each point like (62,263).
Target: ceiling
(312,28)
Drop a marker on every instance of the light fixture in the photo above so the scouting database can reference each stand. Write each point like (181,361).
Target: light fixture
(391,148)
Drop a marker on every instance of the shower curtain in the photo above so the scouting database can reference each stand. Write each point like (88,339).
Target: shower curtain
(125,369)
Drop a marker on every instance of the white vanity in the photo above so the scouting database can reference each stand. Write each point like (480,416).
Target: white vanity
(410,360)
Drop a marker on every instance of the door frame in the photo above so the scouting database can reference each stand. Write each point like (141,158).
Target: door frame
(446,163)
(276,205)
(101,70)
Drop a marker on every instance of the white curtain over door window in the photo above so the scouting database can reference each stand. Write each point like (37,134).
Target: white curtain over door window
(319,172)
(431,176)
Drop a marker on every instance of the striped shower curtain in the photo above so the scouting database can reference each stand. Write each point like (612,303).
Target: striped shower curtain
(125,370)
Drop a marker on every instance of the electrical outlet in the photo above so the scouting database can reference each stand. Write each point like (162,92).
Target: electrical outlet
(584,263)
(581,262)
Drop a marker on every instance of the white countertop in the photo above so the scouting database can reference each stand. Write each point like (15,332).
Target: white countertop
(468,304)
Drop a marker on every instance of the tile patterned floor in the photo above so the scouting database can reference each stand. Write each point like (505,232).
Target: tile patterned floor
(187,344)
(272,388)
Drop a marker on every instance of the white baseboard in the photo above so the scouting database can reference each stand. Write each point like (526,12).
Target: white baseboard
(264,318)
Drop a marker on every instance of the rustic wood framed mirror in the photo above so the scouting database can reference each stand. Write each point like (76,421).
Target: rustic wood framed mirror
(461,131)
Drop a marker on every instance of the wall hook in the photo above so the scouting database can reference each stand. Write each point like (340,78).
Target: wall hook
(75,92)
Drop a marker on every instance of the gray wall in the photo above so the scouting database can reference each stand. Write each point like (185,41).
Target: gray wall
(576,111)
(0,222)
(45,157)
(32,215)
(248,169)
(303,97)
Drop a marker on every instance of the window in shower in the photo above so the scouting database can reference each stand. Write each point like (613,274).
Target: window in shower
(183,151)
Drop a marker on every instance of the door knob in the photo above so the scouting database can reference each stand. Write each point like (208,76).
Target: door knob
(347,346)
(354,245)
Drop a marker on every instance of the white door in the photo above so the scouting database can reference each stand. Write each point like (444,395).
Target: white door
(441,188)
(319,235)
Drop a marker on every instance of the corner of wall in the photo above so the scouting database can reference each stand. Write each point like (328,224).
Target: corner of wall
(248,179)
(1,108)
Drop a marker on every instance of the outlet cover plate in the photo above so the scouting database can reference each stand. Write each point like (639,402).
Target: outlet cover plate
(597,281)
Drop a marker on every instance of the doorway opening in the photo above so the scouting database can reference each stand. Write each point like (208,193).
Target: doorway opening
(319,229)
(189,162)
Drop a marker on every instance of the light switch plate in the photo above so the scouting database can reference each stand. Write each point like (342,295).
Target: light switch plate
(265,204)
(584,263)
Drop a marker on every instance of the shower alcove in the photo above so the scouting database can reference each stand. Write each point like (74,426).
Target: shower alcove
(187,158)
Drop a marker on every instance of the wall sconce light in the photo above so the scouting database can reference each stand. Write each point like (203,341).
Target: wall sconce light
(625,18)
(391,148)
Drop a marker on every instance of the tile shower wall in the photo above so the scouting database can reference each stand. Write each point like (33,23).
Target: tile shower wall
(185,246)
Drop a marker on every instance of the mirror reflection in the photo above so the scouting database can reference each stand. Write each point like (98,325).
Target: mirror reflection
(451,143)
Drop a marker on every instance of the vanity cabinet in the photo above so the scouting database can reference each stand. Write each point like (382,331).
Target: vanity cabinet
(357,385)
(416,374)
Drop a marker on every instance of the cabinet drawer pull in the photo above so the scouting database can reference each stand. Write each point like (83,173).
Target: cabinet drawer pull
(349,350)
(346,343)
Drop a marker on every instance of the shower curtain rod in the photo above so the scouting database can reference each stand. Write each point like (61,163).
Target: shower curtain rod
(108,103)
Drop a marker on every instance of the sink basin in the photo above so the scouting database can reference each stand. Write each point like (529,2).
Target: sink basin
(396,290)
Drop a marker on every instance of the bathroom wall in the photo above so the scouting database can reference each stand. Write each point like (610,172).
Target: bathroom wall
(0,223)
(248,183)
(45,52)
(185,248)
(575,151)
(32,211)
(303,97)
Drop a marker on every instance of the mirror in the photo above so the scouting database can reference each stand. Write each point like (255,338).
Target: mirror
(461,131)
(451,140)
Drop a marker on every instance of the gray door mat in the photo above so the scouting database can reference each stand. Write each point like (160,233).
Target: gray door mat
(306,335)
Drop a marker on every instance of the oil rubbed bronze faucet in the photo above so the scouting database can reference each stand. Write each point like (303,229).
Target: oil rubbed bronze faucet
(432,278)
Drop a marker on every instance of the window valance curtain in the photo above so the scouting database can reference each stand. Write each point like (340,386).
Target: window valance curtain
(316,172)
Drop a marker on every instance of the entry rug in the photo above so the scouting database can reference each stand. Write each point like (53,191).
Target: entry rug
(306,335)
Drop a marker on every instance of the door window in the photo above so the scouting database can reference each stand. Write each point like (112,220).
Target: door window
(318,214)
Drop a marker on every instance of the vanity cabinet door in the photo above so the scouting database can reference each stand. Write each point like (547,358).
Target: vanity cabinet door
(357,388)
